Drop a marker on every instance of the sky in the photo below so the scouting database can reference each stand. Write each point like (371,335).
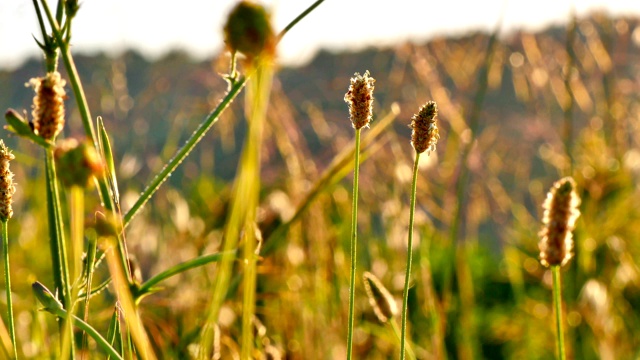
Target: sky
(155,27)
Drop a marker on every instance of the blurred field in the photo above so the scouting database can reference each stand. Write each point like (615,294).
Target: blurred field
(528,108)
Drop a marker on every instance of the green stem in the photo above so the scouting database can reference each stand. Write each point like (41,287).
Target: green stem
(405,294)
(396,332)
(298,18)
(195,138)
(58,246)
(7,279)
(354,241)
(257,102)
(77,228)
(100,341)
(557,301)
(180,268)
(246,190)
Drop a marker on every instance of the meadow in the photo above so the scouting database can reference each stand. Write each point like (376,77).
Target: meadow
(217,221)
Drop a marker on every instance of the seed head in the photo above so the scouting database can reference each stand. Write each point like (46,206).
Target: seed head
(248,30)
(48,105)
(560,214)
(78,162)
(360,99)
(7,187)
(384,306)
(425,132)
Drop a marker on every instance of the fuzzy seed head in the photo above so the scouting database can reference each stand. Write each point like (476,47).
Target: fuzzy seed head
(360,99)
(7,187)
(384,306)
(560,215)
(48,105)
(425,132)
(78,162)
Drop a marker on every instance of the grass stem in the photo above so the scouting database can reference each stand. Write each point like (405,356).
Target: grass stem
(405,294)
(193,140)
(354,241)
(58,244)
(7,284)
(557,302)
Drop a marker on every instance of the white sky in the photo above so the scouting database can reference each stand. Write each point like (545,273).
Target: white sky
(156,26)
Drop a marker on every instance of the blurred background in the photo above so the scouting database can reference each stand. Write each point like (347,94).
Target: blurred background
(527,94)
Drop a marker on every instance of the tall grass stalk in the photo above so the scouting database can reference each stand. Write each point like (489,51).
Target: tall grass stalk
(7,284)
(359,97)
(125,298)
(58,245)
(405,293)
(243,212)
(557,302)
(353,243)
(257,100)
(424,137)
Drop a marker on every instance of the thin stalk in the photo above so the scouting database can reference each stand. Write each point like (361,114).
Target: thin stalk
(148,286)
(243,210)
(354,241)
(195,138)
(77,239)
(125,298)
(298,18)
(257,97)
(77,228)
(396,332)
(58,245)
(557,301)
(7,282)
(89,268)
(405,294)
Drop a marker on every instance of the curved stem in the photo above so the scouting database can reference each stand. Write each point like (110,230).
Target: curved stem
(195,138)
(100,341)
(405,294)
(7,280)
(298,18)
(354,241)
(180,268)
(557,301)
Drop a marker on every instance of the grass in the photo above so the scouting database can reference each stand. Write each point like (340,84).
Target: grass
(265,265)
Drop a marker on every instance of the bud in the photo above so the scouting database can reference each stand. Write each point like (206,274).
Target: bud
(46,298)
(48,105)
(71,8)
(77,162)
(384,306)
(560,214)
(360,99)
(7,187)
(425,132)
(248,30)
